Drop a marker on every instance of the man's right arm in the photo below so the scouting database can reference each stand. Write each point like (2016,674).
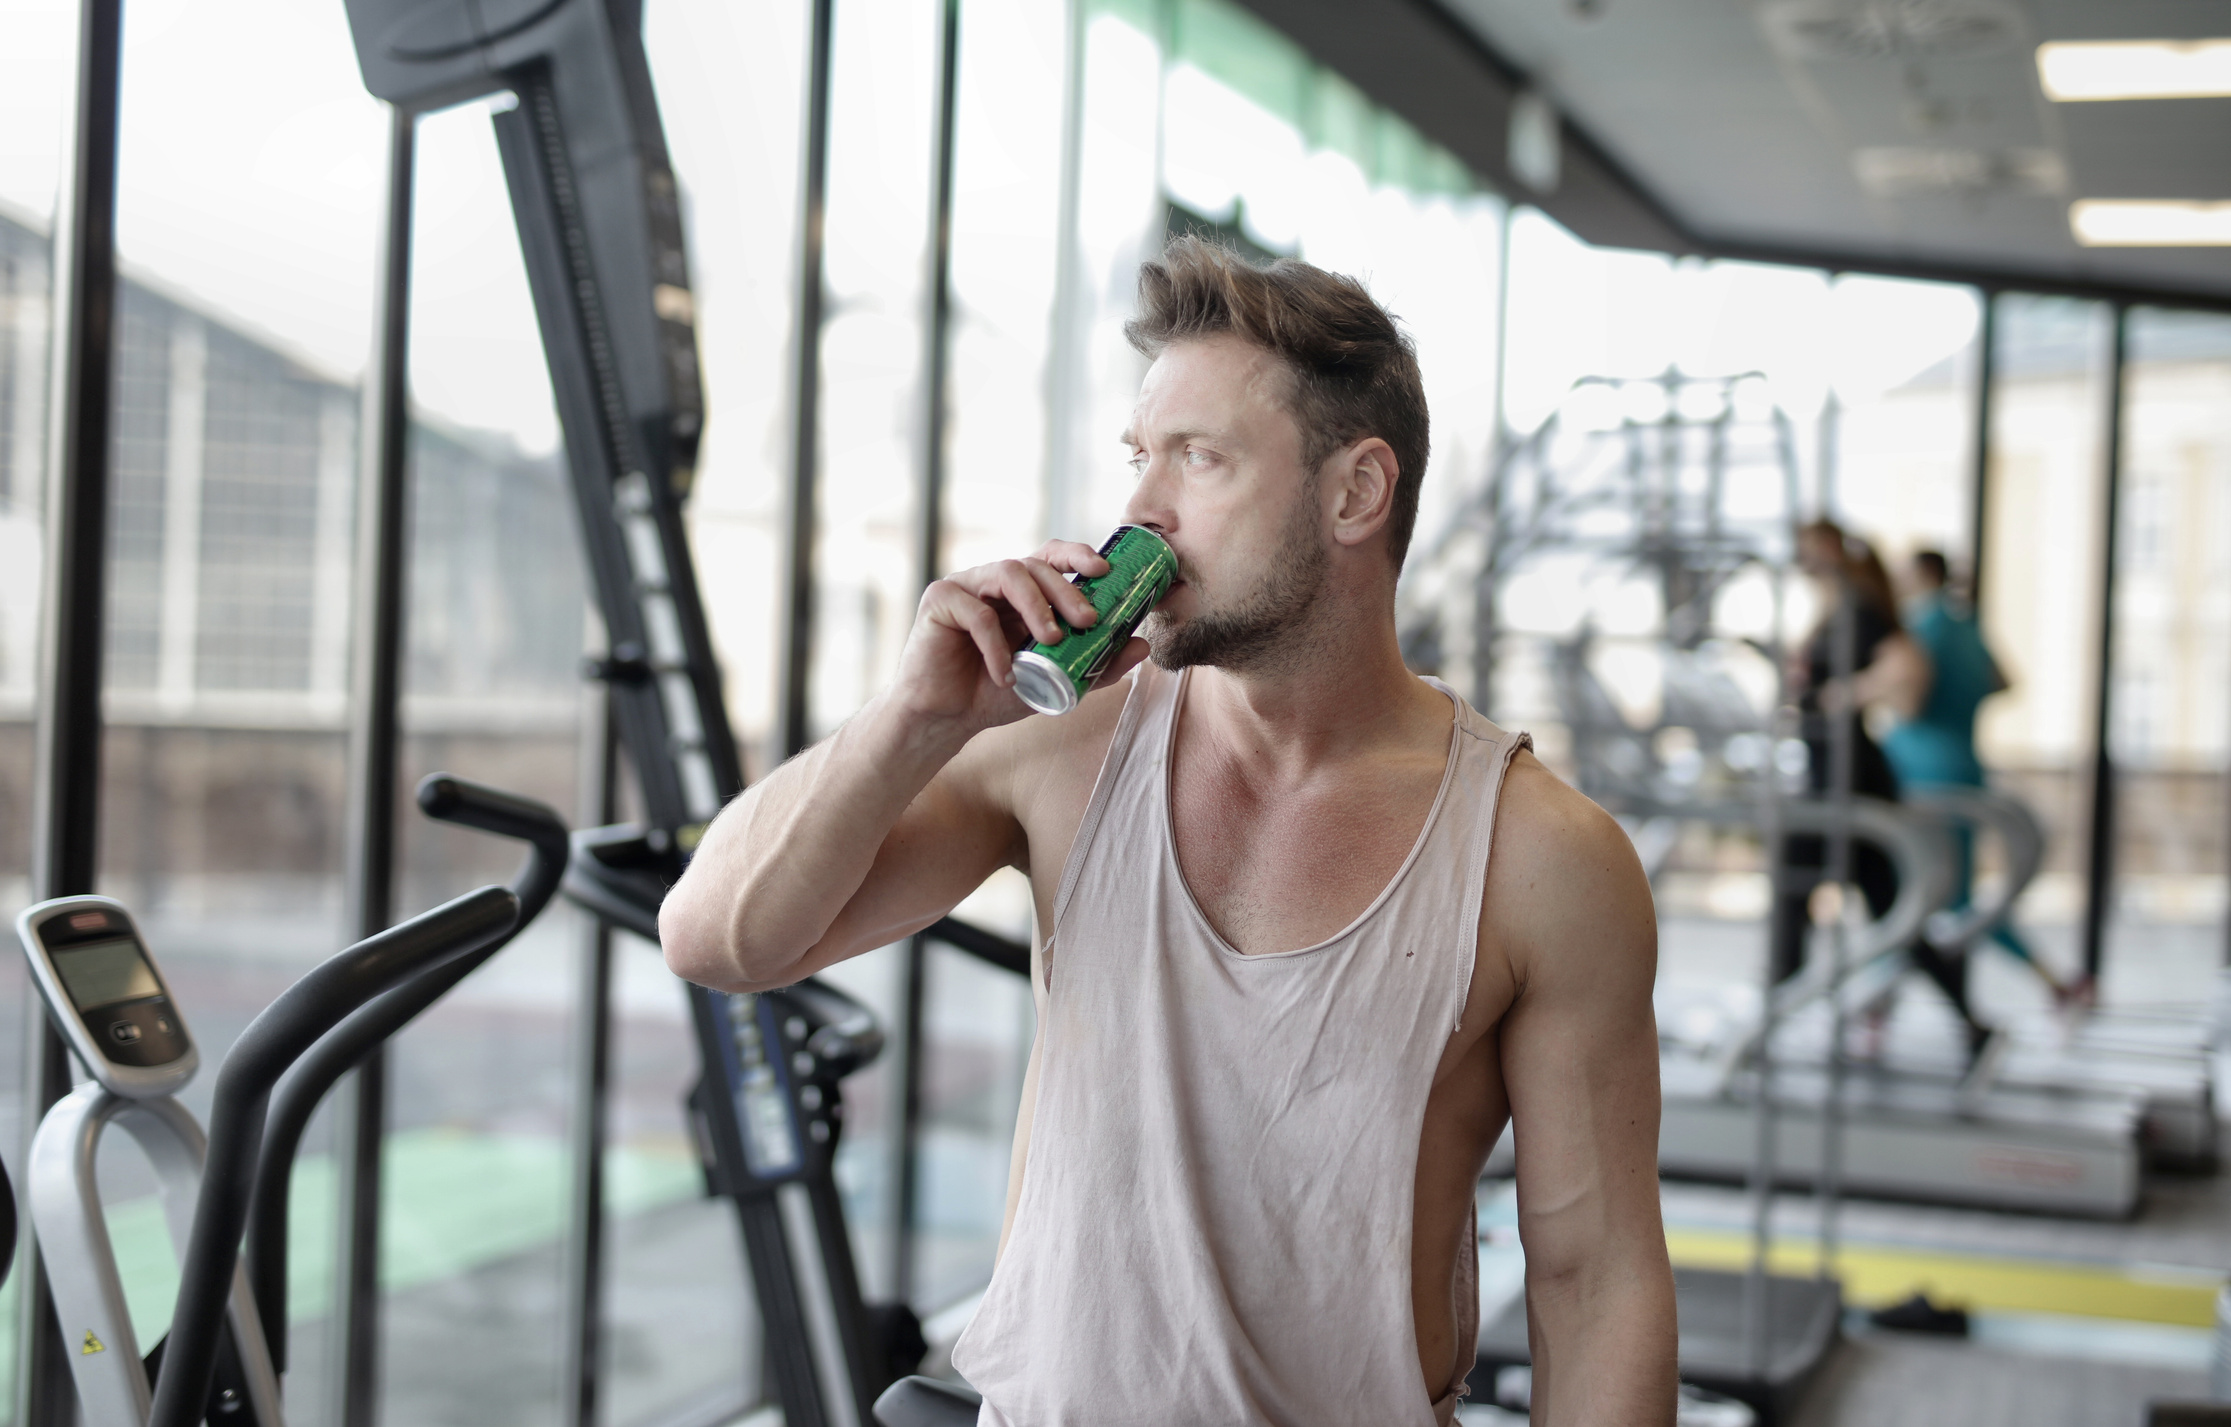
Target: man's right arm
(883,827)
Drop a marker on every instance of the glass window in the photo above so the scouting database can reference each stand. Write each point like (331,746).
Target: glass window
(2172,656)
(495,620)
(736,152)
(682,1337)
(247,196)
(883,109)
(2040,598)
(41,41)
(1900,420)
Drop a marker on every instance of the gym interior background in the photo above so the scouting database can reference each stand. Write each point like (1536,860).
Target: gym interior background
(1867,203)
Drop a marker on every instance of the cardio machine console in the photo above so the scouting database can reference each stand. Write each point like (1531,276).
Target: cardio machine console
(103,990)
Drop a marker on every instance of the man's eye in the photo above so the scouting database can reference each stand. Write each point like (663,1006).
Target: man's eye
(1137,463)
(1196,457)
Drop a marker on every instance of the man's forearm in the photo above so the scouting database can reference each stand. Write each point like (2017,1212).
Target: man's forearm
(1604,1342)
(778,865)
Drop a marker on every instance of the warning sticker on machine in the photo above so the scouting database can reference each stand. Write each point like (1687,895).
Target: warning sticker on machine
(92,1345)
(2020,1166)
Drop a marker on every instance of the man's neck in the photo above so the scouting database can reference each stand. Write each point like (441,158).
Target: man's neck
(1343,693)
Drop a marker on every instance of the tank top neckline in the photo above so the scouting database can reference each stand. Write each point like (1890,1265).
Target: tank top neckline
(1177,868)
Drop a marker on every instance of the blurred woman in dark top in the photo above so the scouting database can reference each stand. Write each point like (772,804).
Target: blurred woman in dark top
(1857,603)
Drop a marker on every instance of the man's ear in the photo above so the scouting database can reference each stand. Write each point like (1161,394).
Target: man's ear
(1360,481)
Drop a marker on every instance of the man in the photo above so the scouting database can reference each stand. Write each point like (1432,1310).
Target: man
(1936,743)
(1287,1001)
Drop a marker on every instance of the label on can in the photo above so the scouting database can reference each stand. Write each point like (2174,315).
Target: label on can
(1051,678)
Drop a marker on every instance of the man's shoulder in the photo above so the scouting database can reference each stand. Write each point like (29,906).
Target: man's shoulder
(1562,875)
(1551,821)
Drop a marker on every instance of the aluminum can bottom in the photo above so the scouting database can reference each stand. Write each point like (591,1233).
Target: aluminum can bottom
(1042,684)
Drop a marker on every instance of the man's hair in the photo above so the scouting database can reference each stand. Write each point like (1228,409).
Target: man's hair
(1934,562)
(1355,373)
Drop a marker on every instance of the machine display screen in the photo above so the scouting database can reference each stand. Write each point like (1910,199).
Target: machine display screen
(102,973)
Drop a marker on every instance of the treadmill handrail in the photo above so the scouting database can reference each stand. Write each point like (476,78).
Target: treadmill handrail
(1914,842)
(273,1041)
(448,799)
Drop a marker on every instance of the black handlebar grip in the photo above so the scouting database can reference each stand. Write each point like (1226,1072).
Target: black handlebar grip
(476,805)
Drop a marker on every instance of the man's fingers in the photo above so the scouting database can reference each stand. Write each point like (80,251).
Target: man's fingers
(952,604)
(1068,601)
(1015,585)
(983,626)
(1036,590)
(1018,584)
(1073,557)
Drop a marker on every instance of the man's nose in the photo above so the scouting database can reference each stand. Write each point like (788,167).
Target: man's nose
(1150,502)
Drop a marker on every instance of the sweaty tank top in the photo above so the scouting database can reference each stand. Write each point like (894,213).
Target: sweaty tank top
(1215,1218)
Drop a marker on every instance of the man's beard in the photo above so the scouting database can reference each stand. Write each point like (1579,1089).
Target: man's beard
(1268,622)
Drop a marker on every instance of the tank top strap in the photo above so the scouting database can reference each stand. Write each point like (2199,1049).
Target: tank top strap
(1484,753)
(1146,710)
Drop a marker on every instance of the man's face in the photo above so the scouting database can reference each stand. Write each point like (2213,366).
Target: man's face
(1219,460)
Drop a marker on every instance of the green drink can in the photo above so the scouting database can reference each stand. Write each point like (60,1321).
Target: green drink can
(1052,677)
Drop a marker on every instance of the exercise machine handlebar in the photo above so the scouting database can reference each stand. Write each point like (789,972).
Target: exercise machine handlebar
(273,1041)
(448,799)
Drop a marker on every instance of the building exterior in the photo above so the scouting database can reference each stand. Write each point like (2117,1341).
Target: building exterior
(234,486)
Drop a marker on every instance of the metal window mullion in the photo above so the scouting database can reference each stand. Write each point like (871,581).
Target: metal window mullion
(794,731)
(1979,469)
(929,563)
(588,1132)
(66,790)
(2099,864)
(374,734)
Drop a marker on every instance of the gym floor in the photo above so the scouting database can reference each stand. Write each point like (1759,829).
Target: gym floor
(2073,1321)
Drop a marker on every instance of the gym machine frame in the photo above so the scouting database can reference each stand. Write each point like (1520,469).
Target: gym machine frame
(599,221)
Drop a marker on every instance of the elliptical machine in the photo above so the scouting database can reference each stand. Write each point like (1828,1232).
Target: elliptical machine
(226,1346)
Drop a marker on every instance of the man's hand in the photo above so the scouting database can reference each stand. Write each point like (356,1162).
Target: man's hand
(955,668)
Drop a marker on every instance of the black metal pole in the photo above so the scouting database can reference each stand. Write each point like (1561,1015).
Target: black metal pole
(805,461)
(930,563)
(906,1194)
(937,328)
(67,787)
(1979,471)
(2099,867)
(589,1127)
(382,548)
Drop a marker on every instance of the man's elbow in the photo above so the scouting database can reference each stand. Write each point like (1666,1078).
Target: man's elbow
(706,948)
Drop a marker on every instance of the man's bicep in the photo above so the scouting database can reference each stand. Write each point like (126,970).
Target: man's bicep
(1580,1058)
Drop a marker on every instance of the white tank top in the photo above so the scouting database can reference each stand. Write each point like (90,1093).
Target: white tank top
(1215,1218)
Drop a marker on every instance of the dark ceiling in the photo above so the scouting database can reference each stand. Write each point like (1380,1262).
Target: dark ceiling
(1904,135)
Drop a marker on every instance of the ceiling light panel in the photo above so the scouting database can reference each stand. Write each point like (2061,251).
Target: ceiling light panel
(2082,71)
(2149,223)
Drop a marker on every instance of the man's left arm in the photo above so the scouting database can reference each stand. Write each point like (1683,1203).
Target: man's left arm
(1571,910)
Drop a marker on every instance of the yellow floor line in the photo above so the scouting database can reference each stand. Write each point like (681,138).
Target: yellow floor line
(1874,1275)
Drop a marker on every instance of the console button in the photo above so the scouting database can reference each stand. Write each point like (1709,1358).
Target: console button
(125,1031)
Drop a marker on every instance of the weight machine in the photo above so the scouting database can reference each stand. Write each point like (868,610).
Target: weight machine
(599,220)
